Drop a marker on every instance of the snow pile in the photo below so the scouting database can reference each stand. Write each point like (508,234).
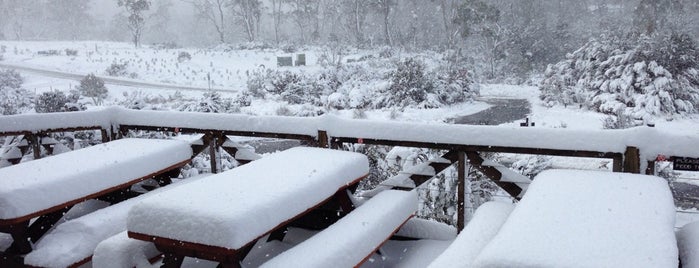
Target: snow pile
(44,183)
(588,219)
(120,251)
(235,207)
(347,242)
(484,225)
(688,242)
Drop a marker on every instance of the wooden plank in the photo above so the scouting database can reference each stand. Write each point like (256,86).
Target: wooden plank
(323,139)
(461,192)
(492,173)
(632,160)
(481,148)
(287,136)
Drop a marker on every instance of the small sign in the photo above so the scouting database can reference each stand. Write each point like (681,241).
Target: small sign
(685,163)
(360,141)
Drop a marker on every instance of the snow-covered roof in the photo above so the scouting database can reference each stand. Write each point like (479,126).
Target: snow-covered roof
(235,207)
(588,219)
(41,184)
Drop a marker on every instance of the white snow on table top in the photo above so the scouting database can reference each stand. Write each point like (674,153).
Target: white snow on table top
(41,184)
(120,251)
(76,239)
(484,225)
(588,219)
(688,242)
(232,208)
(427,229)
(351,239)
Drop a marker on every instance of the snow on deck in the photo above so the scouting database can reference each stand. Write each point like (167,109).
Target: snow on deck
(347,242)
(484,225)
(688,242)
(41,184)
(588,219)
(233,208)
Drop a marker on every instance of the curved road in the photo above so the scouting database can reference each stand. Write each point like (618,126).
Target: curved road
(502,111)
(107,79)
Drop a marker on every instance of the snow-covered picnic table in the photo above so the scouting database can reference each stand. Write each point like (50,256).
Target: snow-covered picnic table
(588,219)
(50,185)
(217,217)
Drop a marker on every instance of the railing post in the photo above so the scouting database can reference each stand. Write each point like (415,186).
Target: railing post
(323,139)
(461,192)
(35,141)
(632,160)
(105,135)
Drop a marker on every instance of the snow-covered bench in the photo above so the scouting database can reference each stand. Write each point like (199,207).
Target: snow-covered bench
(484,225)
(588,219)
(688,243)
(46,188)
(352,239)
(220,217)
(72,243)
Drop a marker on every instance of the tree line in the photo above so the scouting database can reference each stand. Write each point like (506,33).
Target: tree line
(503,36)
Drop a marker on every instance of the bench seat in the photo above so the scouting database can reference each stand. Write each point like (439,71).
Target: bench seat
(349,241)
(215,217)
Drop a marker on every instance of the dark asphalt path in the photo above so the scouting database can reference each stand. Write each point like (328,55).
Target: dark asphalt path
(502,111)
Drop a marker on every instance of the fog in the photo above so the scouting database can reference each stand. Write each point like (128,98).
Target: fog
(532,32)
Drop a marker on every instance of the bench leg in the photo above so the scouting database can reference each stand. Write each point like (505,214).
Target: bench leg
(232,264)
(44,223)
(278,234)
(172,260)
(20,239)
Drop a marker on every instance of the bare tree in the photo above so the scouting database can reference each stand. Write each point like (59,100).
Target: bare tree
(384,8)
(452,30)
(248,13)
(136,19)
(214,12)
(277,15)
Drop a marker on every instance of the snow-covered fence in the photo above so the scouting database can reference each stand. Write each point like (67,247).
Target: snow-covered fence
(644,143)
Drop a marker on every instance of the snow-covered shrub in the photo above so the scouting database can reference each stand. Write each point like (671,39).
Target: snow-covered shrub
(455,86)
(51,102)
(530,166)
(139,100)
(211,102)
(184,56)
(639,76)
(620,121)
(13,98)
(117,69)
(71,52)
(257,83)
(93,87)
(410,84)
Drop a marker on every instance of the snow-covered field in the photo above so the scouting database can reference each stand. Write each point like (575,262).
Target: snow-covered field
(229,71)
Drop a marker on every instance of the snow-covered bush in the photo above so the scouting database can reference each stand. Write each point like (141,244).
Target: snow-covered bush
(211,102)
(93,87)
(184,56)
(640,76)
(410,84)
(13,98)
(532,165)
(52,102)
(117,69)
